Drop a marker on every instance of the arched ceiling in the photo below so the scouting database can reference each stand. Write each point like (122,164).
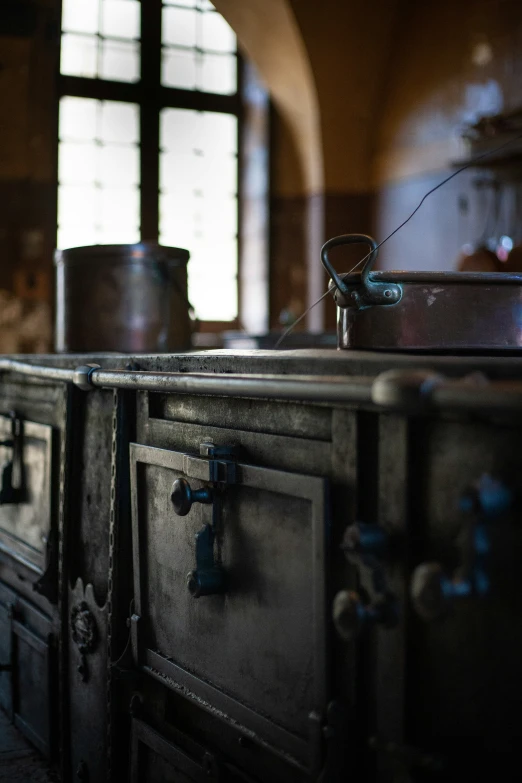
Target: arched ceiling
(269,35)
(325,66)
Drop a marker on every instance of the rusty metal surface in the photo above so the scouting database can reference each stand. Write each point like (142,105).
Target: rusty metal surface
(443,315)
(122,298)
(266,675)
(19,761)
(25,525)
(391,389)
(235,678)
(424,311)
(86,683)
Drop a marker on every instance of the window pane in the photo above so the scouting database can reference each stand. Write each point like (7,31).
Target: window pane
(77,163)
(198,206)
(98,194)
(120,18)
(78,118)
(181,172)
(177,219)
(213,296)
(118,165)
(80,16)
(218,73)
(179,129)
(216,33)
(78,55)
(119,122)
(77,204)
(76,235)
(179,26)
(120,205)
(120,61)
(178,69)
(220,176)
(219,134)
(213,256)
(219,218)
(97,53)
(117,235)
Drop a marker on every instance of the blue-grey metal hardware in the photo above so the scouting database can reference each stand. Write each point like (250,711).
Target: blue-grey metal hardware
(352,615)
(366,545)
(208,578)
(219,468)
(367,292)
(183,496)
(432,589)
(13,489)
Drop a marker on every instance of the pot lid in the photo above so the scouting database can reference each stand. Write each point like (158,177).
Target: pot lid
(141,252)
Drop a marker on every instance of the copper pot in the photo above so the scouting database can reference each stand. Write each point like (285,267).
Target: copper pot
(424,311)
(126,298)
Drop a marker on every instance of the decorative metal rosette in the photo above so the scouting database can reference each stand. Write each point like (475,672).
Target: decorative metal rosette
(84,628)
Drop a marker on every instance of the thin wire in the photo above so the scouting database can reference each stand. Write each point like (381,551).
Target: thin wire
(127,643)
(292,326)
(419,205)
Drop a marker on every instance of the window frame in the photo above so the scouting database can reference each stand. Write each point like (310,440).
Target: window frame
(152,97)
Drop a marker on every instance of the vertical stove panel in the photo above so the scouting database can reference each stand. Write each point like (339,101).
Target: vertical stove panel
(463,681)
(6,658)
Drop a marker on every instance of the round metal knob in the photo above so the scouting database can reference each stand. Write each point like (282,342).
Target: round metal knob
(209,581)
(432,591)
(183,496)
(351,615)
(348,614)
(366,539)
(427,591)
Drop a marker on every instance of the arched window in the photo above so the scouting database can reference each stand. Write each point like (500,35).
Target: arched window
(150,125)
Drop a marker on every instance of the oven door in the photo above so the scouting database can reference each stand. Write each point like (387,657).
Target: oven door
(255,652)
(25,491)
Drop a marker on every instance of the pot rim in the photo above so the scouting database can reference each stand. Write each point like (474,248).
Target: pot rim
(141,252)
(459,278)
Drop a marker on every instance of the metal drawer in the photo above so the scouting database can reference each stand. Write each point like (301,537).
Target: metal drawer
(25,490)
(257,651)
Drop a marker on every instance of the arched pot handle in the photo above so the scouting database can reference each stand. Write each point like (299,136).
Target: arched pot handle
(370,292)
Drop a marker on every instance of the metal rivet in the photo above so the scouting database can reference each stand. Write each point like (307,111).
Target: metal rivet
(388,293)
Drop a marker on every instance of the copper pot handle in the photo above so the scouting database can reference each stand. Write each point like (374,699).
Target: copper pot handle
(371,292)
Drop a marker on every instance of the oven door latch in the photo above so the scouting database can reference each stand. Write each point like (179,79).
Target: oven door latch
(216,465)
(13,486)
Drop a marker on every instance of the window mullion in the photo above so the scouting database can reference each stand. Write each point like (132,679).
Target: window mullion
(149,117)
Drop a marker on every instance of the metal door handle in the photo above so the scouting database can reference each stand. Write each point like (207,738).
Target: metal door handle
(432,589)
(183,496)
(209,577)
(13,473)
(367,546)
(351,614)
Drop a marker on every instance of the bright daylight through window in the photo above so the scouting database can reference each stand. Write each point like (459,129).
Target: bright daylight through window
(101,198)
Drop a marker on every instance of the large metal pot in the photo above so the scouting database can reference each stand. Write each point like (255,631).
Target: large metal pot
(424,311)
(128,298)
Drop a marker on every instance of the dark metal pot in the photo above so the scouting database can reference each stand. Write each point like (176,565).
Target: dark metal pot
(126,298)
(424,311)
